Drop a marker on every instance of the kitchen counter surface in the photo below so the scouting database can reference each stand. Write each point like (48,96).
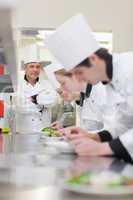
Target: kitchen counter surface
(30,170)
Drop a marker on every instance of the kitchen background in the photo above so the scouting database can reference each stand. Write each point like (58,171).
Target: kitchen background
(30,34)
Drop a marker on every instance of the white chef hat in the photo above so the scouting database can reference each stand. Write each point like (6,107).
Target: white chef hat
(28,61)
(30,54)
(72,42)
(50,72)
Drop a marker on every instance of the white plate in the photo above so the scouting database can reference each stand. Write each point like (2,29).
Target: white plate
(59,143)
(62,146)
(99,184)
(84,189)
(50,139)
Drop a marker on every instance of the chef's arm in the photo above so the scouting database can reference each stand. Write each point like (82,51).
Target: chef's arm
(103,136)
(115,148)
(47,99)
(118,124)
(113,129)
(121,147)
(120,150)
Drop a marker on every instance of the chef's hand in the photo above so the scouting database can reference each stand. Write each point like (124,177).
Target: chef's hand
(88,147)
(75,132)
(56,125)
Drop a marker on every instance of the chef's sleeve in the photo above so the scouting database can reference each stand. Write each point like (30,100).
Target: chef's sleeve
(117,124)
(112,131)
(123,146)
(48,97)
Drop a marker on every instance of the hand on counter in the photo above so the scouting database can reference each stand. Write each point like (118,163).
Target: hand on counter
(89,147)
(76,132)
(86,144)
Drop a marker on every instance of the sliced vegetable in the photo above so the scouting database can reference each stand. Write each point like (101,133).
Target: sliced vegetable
(50,132)
(105,179)
(77,180)
(5,130)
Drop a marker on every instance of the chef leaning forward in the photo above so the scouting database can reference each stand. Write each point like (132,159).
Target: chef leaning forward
(35,97)
(74,46)
(91,100)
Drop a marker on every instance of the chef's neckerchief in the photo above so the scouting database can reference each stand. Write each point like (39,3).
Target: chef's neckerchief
(84,95)
(109,70)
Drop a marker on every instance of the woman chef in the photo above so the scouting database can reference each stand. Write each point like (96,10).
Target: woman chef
(72,44)
(91,100)
(34,99)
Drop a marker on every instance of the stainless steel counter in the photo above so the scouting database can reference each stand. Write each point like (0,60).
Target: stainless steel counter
(29,170)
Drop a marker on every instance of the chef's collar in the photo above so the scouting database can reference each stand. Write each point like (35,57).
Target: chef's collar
(84,95)
(25,78)
(88,90)
(109,70)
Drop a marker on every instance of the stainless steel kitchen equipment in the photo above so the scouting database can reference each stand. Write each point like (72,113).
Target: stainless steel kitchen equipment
(28,170)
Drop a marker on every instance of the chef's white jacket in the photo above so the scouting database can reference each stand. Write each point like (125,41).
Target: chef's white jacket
(113,105)
(33,116)
(119,128)
(92,108)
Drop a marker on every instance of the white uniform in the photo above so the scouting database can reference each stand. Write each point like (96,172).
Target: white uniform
(65,46)
(119,122)
(116,110)
(34,116)
(112,104)
(92,109)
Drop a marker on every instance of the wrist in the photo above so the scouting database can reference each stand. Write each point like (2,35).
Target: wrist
(104,149)
(94,136)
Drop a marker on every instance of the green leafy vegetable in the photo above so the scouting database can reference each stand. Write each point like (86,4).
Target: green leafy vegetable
(50,132)
(77,180)
(93,180)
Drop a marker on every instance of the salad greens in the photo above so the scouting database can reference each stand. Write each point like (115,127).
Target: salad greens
(97,180)
(50,132)
(77,180)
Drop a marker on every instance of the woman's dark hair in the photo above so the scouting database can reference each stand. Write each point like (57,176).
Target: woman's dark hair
(104,54)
